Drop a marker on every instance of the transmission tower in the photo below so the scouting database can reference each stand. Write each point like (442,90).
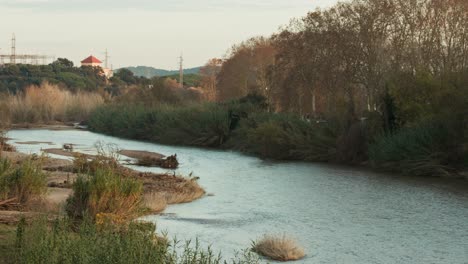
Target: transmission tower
(106,60)
(13,49)
(14,58)
(181,71)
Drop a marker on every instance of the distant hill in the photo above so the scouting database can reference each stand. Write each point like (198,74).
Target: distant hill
(149,72)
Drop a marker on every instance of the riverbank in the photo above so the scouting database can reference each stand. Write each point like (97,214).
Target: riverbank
(433,148)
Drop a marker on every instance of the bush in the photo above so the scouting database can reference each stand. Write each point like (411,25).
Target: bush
(105,195)
(24,182)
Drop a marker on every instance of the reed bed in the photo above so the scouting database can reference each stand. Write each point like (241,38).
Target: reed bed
(269,135)
(48,103)
(428,149)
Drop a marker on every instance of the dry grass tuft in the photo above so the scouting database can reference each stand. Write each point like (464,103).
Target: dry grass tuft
(185,192)
(179,192)
(280,248)
(155,202)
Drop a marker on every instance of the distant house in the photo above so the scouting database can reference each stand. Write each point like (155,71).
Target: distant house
(95,62)
(91,61)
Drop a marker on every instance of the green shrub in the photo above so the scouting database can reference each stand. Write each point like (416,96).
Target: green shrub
(25,181)
(105,195)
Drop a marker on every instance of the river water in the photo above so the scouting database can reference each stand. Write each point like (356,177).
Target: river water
(338,214)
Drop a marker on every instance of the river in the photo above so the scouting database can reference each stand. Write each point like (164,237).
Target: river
(338,214)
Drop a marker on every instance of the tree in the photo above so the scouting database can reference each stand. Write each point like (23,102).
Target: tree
(208,73)
(126,76)
(65,63)
(245,71)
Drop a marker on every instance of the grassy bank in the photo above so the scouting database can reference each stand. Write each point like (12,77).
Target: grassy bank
(63,242)
(435,147)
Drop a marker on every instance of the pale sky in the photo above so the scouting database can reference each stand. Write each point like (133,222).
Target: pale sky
(143,32)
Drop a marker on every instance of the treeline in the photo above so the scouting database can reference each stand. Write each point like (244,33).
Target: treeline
(14,78)
(391,74)
(401,58)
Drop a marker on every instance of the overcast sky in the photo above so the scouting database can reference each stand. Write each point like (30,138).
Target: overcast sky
(142,32)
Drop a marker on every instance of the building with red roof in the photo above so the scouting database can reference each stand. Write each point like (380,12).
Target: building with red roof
(95,62)
(91,61)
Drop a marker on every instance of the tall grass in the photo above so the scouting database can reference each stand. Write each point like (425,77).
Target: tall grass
(24,182)
(284,136)
(41,243)
(270,135)
(198,125)
(48,103)
(105,195)
(426,149)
